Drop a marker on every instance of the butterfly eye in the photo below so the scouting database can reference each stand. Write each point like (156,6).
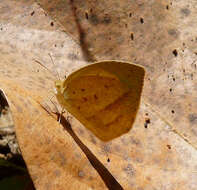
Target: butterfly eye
(58,85)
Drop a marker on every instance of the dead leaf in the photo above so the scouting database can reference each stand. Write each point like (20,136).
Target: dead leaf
(148,33)
(156,155)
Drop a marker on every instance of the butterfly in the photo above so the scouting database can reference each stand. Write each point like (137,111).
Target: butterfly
(103,96)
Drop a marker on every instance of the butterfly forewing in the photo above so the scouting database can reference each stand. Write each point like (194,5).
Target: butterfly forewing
(105,97)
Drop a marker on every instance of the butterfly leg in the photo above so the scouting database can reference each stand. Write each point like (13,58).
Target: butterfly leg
(61,113)
(57,111)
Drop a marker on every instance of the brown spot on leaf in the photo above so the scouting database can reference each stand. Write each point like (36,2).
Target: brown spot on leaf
(132,36)
(72,56)
(92,138)
(81,174)
(175,52)
(173,32)
(147,121)
(168,146)
(32,13)
(19,109)
(185,11)
(107,19)
(192,118)
(107,148)
(135,141)
(129,170)
(94,19)
(57,173)
(86,15)
(142,20)
(81,131)
(62,159)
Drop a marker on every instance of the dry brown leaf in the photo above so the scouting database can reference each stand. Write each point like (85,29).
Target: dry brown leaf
(150,33)
(152,155)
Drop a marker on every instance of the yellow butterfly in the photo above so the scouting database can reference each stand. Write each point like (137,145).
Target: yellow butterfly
(103,96)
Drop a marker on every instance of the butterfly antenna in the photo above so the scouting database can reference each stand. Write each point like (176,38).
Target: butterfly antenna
(44,66)
(54,65)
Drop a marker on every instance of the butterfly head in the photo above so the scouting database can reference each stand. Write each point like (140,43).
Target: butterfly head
(59,91)
(58,87)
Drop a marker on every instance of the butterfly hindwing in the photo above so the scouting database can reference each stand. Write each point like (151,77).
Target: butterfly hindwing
(105,97)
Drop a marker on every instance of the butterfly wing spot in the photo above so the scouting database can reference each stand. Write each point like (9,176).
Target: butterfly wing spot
(106,86)
(95,97)
(85,99)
